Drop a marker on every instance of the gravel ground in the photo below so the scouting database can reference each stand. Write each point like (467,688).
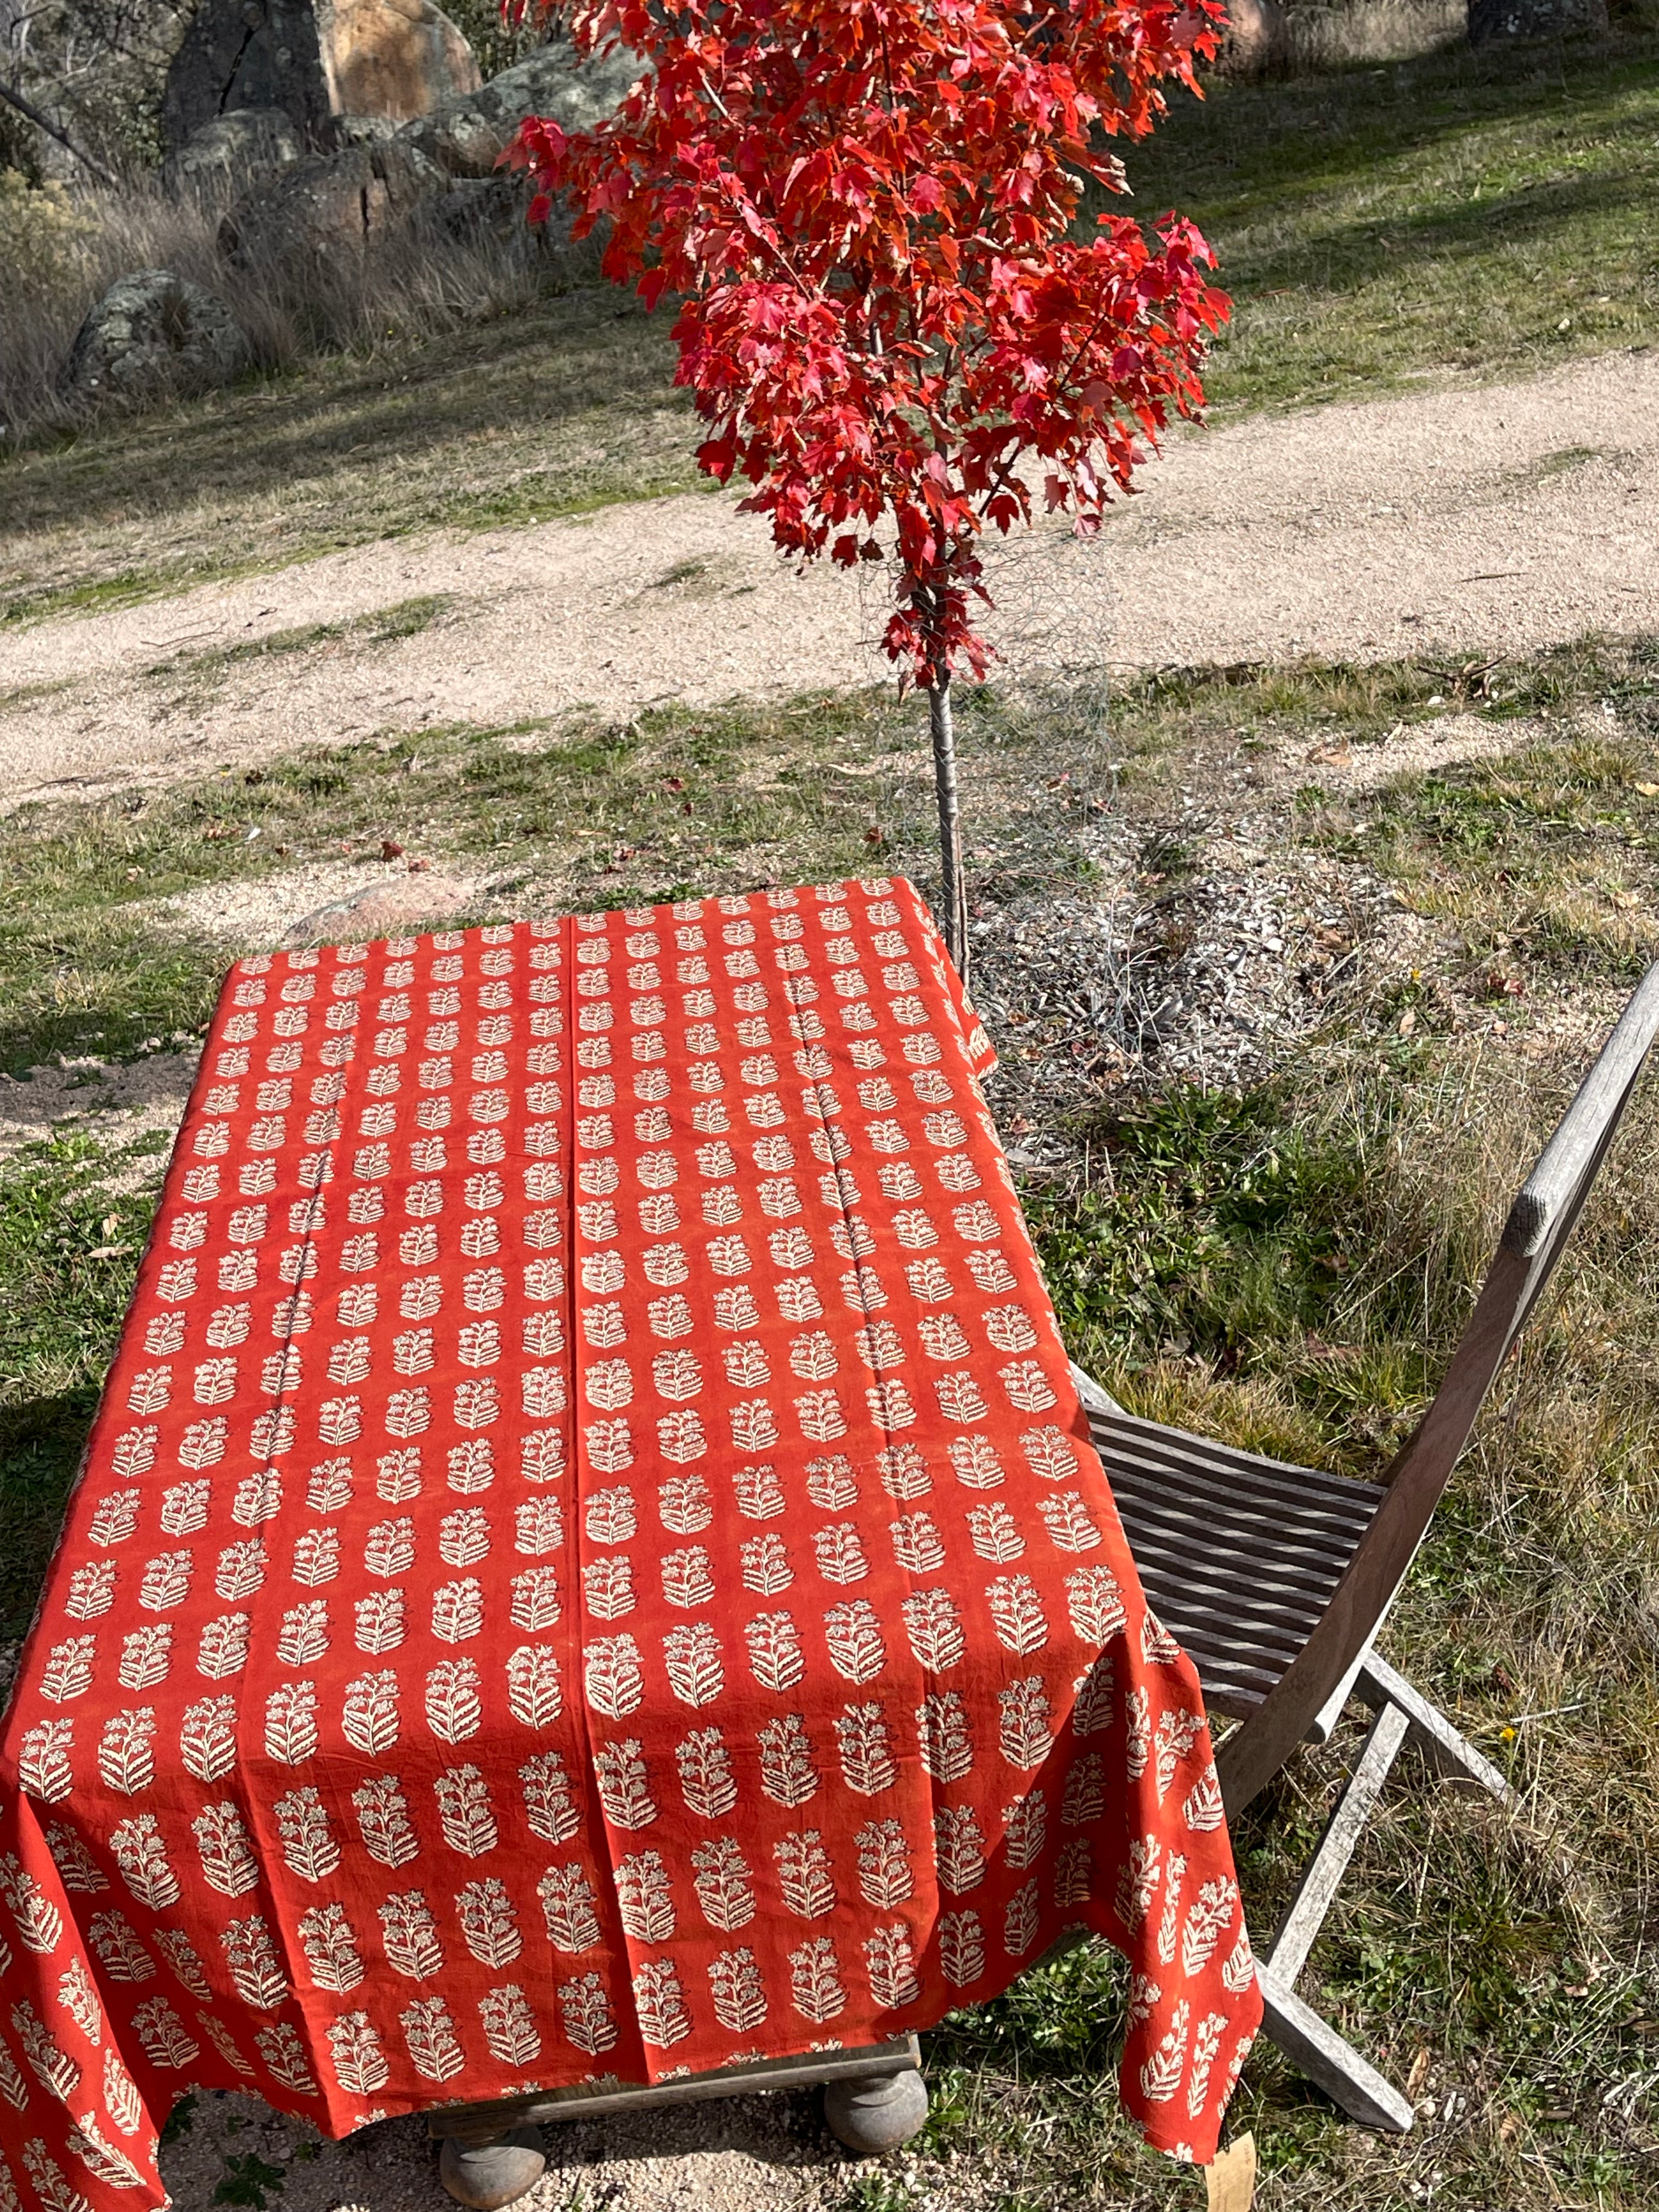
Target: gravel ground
(750,2155)
(1514,517)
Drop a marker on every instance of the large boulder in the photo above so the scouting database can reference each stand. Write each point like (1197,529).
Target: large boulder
(232,153)
(468,135)
(248,53)
(393,58)
(152,335)
(315,59)
(327,208)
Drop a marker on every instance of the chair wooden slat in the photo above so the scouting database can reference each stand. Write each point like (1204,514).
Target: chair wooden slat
(1275,1578)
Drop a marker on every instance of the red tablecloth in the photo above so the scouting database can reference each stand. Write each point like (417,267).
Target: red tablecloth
(588,1562)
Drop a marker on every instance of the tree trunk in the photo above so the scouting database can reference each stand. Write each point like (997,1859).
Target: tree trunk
(954,901)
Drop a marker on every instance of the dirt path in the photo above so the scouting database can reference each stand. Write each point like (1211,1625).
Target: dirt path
(1506,519)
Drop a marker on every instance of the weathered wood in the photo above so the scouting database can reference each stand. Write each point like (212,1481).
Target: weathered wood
(1254,1754)
(1296,1486)
(1568,1161)
(1297,1546)
(1451,1755)
(1287,1954)
(1239,1556)
(1329,2060)
(1095,1398)
(1323,1724)
(485,2122)
(1277,1579)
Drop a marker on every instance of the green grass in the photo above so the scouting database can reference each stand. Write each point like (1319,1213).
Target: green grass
(1486,214)
(1286,1267)
(584,812)
(587,812)
(68,1251)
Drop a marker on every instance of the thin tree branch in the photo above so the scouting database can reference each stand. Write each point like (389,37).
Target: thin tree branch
(28,110)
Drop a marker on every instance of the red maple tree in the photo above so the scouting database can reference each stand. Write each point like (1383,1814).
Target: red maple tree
(867,210)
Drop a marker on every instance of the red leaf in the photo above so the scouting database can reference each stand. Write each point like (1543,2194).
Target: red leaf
(866,216)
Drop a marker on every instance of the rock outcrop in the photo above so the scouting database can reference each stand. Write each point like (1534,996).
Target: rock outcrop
(394,58)
(315,60)
(467,136)
(154,335)
(232,153)
(329,206)
(440,166)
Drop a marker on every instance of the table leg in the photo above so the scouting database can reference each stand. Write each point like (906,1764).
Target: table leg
(487,2175)
(874,2113)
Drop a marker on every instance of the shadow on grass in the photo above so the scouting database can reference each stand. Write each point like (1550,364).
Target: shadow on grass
(41,1441)
(85,985)
(1350,257)
(1459,212)
(589,351)
(1270,142)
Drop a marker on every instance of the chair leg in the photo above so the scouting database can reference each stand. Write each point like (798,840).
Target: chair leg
(1451,1755)
(1325,2057)
(1401,1714)
(1329,2060)
(1287,1954)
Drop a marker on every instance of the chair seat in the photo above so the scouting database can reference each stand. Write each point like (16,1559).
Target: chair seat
(1239,1555)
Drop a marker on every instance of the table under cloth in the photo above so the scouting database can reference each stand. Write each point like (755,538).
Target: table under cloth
(589,1563)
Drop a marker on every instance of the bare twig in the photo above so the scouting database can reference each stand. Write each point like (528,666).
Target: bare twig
(28,110)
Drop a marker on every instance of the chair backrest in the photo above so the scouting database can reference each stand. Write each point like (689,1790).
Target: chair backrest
(1539,1224)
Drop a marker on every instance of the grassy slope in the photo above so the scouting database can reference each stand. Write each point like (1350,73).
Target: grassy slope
(1489,215)
(1437,217)
(563,407)
(1254,1266)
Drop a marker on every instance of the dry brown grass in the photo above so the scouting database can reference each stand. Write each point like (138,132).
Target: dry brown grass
(60,251)
(1320,37)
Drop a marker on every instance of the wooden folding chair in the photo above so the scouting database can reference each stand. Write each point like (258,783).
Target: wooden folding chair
(1276,1580)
